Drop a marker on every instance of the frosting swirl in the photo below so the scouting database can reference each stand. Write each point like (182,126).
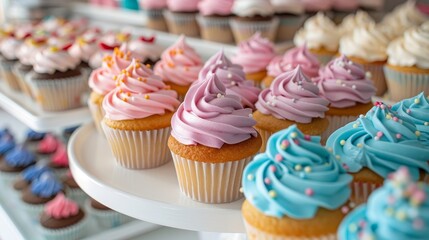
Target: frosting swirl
(143,48)
(48,145)
(60,157)
(412,49)
(83,48)
(210,117)
(295,177)
(179,64)
(357,20)
(292,96)
(215,7)
(254,54)
(9,47)
(20,157)
(296,56)
(233,77)
(102,81)
(53,59)
(251,8)
(182,5)
(381,141)
(139,94)
(344,83)
(7,143)
(34,172)
(61,207)
(46,186)
(318,32)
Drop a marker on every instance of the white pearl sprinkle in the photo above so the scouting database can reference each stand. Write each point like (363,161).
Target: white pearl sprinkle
(229,75)
(293,100)
(368,75)
(350,62)
(354,86)
(361,116)
(349,71)
(426,123)
(343,85)
(219,95)
(250,115)
(219,62)
(233,83)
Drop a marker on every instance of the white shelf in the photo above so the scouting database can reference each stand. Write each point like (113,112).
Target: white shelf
(151,195)
(28,112)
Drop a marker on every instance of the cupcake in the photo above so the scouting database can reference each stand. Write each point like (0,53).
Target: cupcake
(56,80)
(321,36)
(253,16)
(73,190)
(83,48)
(63,219)
(103,80)
(367,46)
(41,191)
(105,217)
(106,46)
(214,20)
(7,143)
(154,18)
(407,68)
(342,8)
(415,110)
(181,17)
(254,55)
(145,49)
(14,162)
(179,66)
(348,89)
(395,211)
(32,139)
(30,174)
(8,50)
(291,59)
(291,17)
(207,130)
(233,77)
(60,161)
(137,120)
(295,190)
(291,99)
(375,145)
(356,20)
(47,146)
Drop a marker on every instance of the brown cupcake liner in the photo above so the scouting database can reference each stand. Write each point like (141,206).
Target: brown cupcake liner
(8,76)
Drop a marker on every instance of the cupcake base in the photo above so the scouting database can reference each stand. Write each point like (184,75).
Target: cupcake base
(182,23)
(75,231)
(20,71)
(256,77)
(7,74)
(215,28)
(155,20)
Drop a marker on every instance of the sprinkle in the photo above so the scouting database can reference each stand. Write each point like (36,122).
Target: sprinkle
(342,142)
(389,211)
(170,64)
(368,75)
(125,99)
(338,157)
(309,192)
(219,95)
(359,145)
(219,62)
(354,86)
(355,125)
(350,62)
(272,193)
(329,149)
(267,181)
(376,138)
(388,116)
(273,168)
(416,101)
(362,223)
(380,134)
(278,157)
(352,204)
(172,52)
(296,141)
(401,215)
(361,116)
(298,167)
(418,133)
(241,190)
(115,77)
(128,74)
(148,65)
(284,144)
(229,75)
(426,123)
(345,209)
(180,51)
(128,94)
(137,65)
(408,111)
(146,96)
(398,135)
(250,115)
(383,106)
(353,228)
(418,224)
(307,169)
(294,135)
(343,85)
(250,177)
(233,83)
(395,119)
(345,166)
(349,71)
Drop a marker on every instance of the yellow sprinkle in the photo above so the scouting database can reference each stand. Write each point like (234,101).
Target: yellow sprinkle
(388,116)
(115,77)
(418,133)
(294,135)
(416,101)
(140,79)
(180,51)
(359,145)
(307,169)
(146,96)
(54,49)
(128,94)
(338,157)
(148,65)
(401,215)
(272,193)
(125,99)
(342,142)
(137,65)
(298,167)
(250,177)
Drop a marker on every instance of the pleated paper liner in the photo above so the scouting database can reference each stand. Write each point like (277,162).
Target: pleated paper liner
(244,30)
(215,29)
(155,20)
(8,76)
(20,78)
(404,85)
(73,232)
(106,219)
(97,113)
(182,23)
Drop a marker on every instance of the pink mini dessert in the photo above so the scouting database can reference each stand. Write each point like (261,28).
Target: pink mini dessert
(233,77)
(60,161)
(48,145)
(254,55)
(144,49)
(180,17)
(291,99)
(296,56)
(179,66)
(214,20)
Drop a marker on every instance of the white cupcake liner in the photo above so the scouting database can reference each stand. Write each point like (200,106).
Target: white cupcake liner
(336,122)
(106,219)
(210,182)
(20,78)
(264,136)
(97,113)
(73,232)
(58,94)
(404,85)
(361,191)
(215,29)
(8,75)
(244,30)
(139,149)
(256,234)
(377,78)
(7,178)
(182,23)
(77,195)
(288,26)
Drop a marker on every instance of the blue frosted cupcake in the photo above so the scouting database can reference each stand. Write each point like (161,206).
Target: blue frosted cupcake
(376,145)
(30,174)
(7,143)
(397,211)
(32,138)
(293,187)
(14,162)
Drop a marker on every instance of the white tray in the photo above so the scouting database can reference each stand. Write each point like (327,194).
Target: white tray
(151,195)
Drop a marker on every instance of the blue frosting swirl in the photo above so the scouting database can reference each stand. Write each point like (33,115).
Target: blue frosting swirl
(295,176)
(34,136)
(34,172)
(397,211)
(415,110)
(46,186)
(20,157)
(381,141)
(7,143)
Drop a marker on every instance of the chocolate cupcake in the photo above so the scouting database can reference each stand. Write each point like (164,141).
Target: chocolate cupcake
(105,217)
(60,161)
(73,190)
(7,143)
(14,162)
(30,174)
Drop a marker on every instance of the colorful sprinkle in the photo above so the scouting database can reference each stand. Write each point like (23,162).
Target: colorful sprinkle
(294,135)
(329,149)
(353,228)
(250,177)
(383,106)
(353,86)
(345,209)
(408,111)
(345,166)
(401,215)
(368,75)
(398,135)
(418,133)
(250,115)
(296,141)
(267,181)
(272,194)
(241,190)
(352,204)
(395,119)
(298,167)
(361,116)
(146,96)
(338,157)
(416,101)
(229,75)
(380,134)
(273,168)
(279,157)
(307,137)
(359,145)
(426,123)
(307,169)
(355,125)
(284,144)
(342,142)
(309,192)
(388,116)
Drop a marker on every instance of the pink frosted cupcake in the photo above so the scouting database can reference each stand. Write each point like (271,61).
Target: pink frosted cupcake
(296,56)
(8,49)
(145,49)
(83,48)
(254,55)
(154,18)
(214,20)
(179,66)
(181,17)
(106,45)
(60,161)
(233,77)
(137,120)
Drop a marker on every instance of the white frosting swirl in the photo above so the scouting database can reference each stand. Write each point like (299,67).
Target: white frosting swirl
(367,42)
(9,47)
(412,49)
(251,8)
(352,21)
(318,32)
(52,59)
(288,6)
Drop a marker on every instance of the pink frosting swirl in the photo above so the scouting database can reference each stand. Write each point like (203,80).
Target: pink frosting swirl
(83,48)
(254,54)
(60,157)
(294,97)
(179,64)
(317,5)
(28,50)
(233,77)
(153,4)
(106,45)
(116,62)
(61,207)
(9,47)
(210,117)
(48,145)
(292,58)
(139,94)
(102,81)
(53,59)
(215,7)
(183,5)
(344,83)
(143,48)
